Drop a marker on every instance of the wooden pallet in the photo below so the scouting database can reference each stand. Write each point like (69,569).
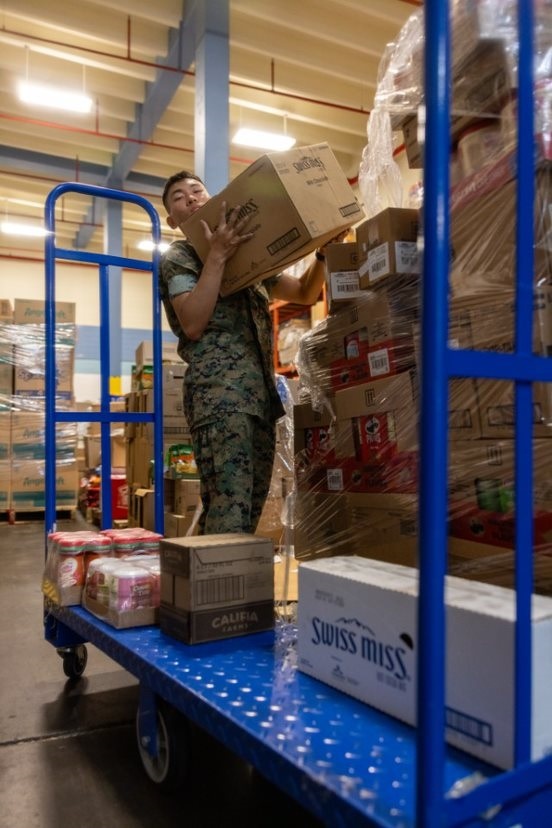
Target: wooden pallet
(13,516)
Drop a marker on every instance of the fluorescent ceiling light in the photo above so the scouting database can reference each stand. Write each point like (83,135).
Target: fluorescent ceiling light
(13,228)
(147,244)
(51,96)
(263,140)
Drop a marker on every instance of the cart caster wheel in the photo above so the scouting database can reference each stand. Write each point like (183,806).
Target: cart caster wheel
(169,768)
(74,661)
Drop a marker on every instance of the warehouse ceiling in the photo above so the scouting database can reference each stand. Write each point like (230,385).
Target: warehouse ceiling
(309,68)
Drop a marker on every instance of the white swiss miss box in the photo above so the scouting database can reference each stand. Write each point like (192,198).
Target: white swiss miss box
(357,623)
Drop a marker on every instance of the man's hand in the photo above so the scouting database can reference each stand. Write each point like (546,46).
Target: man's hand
(228,234)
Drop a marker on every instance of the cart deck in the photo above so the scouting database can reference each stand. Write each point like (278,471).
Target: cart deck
(345,762)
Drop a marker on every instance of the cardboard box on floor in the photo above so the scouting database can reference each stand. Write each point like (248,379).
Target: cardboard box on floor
(357,632)
(297,201)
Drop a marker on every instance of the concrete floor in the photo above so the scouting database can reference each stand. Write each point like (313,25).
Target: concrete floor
(68,754)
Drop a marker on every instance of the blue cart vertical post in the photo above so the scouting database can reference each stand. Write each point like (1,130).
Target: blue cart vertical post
(105,417)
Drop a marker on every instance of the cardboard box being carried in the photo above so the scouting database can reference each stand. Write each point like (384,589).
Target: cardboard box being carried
(297,200)
(216,586)
(357,632)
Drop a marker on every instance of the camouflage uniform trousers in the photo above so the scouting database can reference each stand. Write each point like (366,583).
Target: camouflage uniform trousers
(234,456)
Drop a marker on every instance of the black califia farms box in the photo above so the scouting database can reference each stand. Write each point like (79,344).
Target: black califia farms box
(216,586)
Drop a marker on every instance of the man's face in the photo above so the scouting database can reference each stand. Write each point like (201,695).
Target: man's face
(184,198)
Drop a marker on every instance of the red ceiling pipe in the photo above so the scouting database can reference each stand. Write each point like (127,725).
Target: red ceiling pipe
(164,68)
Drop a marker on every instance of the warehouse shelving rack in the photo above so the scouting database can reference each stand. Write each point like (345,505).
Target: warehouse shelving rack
(343,760)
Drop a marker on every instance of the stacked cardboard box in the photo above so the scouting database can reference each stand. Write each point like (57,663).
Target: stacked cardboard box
(482,507)
(385,249)
(22,390)
(181,497)
(30,351)
(139,436)
(356,617)
(143,366)
(356,444)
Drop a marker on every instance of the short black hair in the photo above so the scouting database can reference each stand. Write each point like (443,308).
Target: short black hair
(179,176)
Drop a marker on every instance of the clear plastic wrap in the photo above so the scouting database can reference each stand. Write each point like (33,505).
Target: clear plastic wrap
(483,95)
(114,573)
(356,426)
(482,501)
(23,364)
(22,424)
(483,227)
(398,94)
(124,592)
(355,430)
(276,520)
(379,178)
(485,20)
(400,73)
(69,556)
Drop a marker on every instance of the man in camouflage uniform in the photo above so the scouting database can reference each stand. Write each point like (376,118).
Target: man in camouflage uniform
(230,396)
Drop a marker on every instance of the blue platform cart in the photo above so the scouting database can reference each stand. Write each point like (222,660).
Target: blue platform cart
(344,761)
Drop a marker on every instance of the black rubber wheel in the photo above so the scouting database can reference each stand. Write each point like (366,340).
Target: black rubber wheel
(74,661)
(169,768)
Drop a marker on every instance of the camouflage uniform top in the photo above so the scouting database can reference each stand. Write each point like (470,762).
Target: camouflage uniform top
(230,367)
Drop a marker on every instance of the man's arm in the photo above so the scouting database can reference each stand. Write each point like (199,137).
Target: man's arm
(305,289)
(195,309)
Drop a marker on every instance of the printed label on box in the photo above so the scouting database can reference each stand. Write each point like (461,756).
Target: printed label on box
(379,362)
(317,442)
(379,261)
(344,285)
(334,480)
(376,436)
(407,257)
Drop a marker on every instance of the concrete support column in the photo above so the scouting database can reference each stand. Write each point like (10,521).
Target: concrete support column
(211,93)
